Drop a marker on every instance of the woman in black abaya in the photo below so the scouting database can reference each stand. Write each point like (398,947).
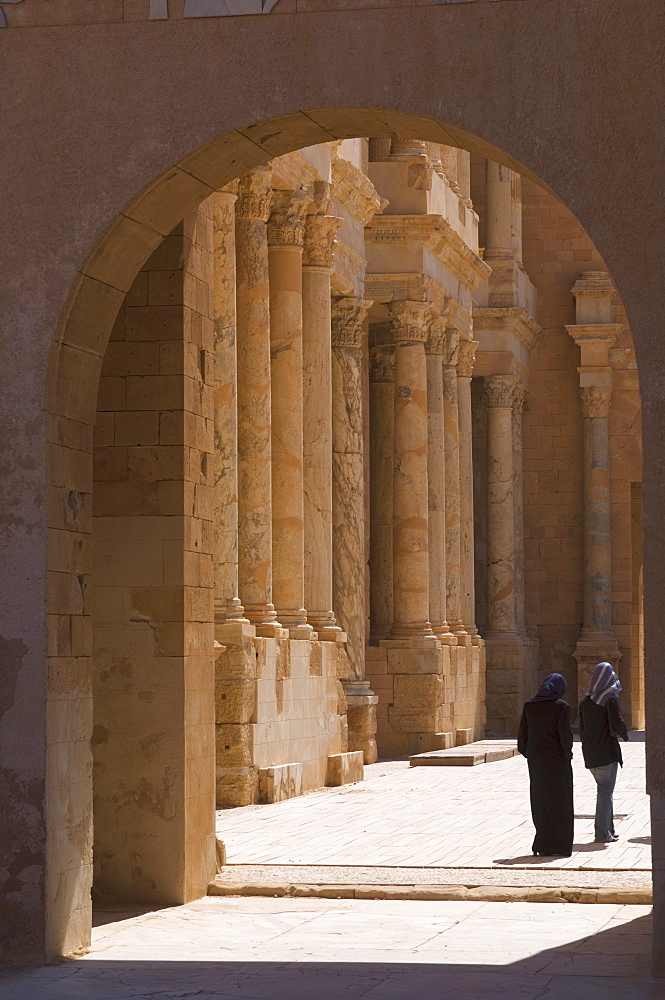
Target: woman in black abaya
(546,740)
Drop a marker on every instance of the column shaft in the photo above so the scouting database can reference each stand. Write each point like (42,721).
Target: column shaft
(518,497)
(597,514)
(285,240)
(253,400)
(382,417)
(467,353)
(452,463)
(501,611)
(409,322)
(436,481)
(498,211)
(348,316)
(317,422)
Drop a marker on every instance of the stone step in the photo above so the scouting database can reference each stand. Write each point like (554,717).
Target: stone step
(480,752)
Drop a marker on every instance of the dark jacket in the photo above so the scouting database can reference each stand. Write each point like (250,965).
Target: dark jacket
(600,725)
(545,730)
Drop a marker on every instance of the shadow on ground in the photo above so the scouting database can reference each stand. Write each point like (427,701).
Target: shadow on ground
(610,965)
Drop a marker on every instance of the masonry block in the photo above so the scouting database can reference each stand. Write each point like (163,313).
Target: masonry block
(345,768)
(283,781)
(235,699)
(236,786)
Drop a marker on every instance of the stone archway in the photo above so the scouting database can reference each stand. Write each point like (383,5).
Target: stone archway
(123,125)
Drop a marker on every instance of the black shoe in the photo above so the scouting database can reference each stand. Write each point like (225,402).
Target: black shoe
(612,839)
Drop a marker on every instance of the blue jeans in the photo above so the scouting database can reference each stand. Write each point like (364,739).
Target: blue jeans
(606,777)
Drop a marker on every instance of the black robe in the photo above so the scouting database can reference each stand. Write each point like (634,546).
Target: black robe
(546,740)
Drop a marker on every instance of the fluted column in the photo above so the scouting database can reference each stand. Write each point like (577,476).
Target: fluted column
(348,506)
(501,616)
(452,462)
(436,481)
(225,459)
(466,358)
(320,239)
(286,228)
(382,416)
(253,401)
(498,212)
(409,323)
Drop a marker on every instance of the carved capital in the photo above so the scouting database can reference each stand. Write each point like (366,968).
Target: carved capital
(254,195)
(409,321)
(466,358)
(519,399)
(596,400)
(451,355)
(231,188)
(436,340)
(348,315)
(286,225)
(382,363)
(500,390)
(320,240)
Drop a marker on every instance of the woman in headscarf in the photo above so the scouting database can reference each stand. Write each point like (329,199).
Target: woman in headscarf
(601,723)
(546,740)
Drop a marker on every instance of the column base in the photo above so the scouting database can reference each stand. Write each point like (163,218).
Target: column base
(593,648)
(511,678)
(361,705)
(295,622)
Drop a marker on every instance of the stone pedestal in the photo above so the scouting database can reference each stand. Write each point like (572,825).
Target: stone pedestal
(348,503)
(320,239)
(225,556)
(254,444)
(286,229)
(361,705)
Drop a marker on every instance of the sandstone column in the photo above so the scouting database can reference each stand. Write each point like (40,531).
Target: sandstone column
(466,358)
(409,322)
(225,562)
(286,229)
(518,498)
(436,481)
(319,245)
(450,166)
(382,413)
(594,333)
(498,212)
(452,463)
(348,505)
(401,146)
(464,175)
(254,435)
(501,612)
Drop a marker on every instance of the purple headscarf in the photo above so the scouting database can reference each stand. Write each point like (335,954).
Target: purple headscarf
(552,688)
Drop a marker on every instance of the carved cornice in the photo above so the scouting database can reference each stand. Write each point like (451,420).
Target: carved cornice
(347,321)
(596,400)
(292,171)
(382,363)
(353,189)
(514,319)
(409,321)
(417,287)
(435,233)
(320,240)
(466,358)
(595,334)
(286,225)
(255,195)
(500,389)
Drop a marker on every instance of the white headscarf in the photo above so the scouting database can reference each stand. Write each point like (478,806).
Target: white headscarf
(604,684)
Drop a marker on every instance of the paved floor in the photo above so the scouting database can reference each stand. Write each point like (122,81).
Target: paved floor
(452,817)
(303,949)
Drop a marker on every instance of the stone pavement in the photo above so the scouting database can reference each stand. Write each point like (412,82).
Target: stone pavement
(304,949)
(449,817)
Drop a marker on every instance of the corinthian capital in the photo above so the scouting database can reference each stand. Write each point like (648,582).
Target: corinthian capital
(348,315)
(466,358)
(519,399)
(436,340)
(500,389)
(382,363)
(254,195)
(596,400)
(320,240)
(409,321)
(286,225)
